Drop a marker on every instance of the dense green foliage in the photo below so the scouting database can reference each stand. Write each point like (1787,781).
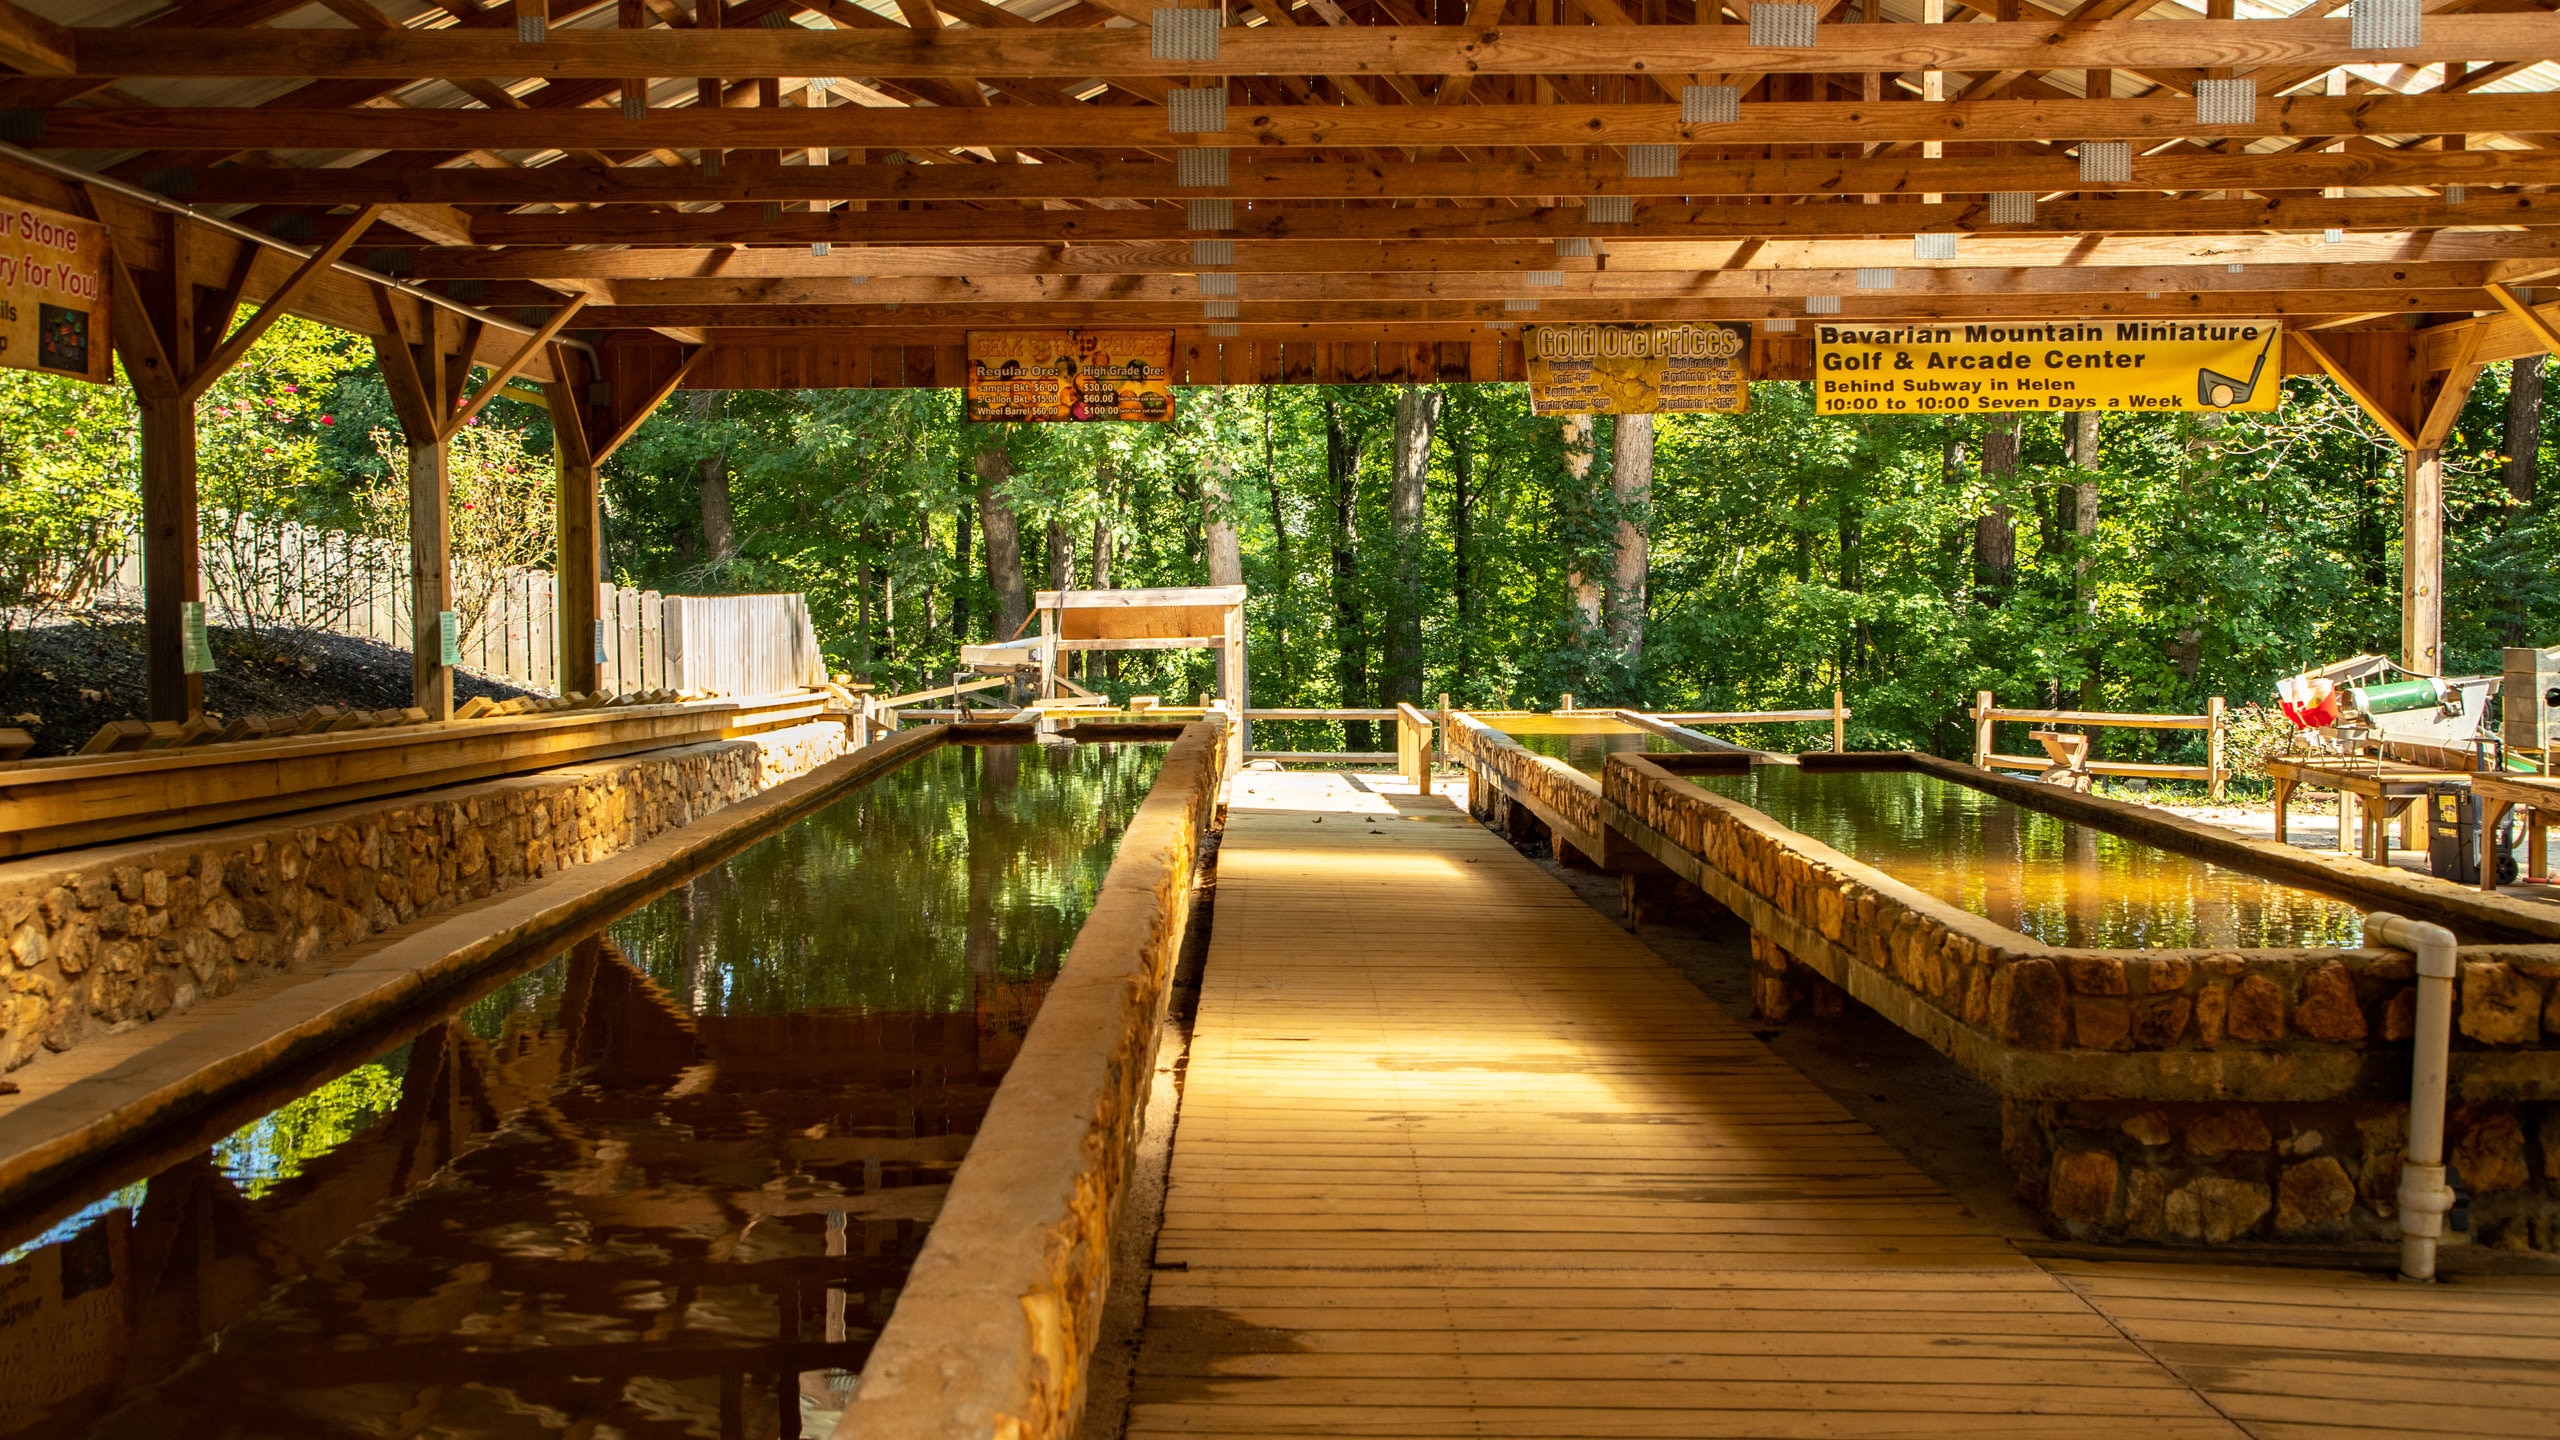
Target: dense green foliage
(1789,555)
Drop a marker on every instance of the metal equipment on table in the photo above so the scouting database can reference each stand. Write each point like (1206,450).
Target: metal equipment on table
(2386,740)
(2453,838)
(2530,712)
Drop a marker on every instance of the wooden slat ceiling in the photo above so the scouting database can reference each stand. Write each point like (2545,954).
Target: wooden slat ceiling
(791,168)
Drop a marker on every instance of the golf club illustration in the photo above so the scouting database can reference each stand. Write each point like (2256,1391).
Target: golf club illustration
(2218,391)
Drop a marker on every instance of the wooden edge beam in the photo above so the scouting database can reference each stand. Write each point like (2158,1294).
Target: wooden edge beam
(410,401)
(153,377)
(2457,388)
(515,364)
(2533,323)
(316,264)
(568,416)
(32,45)
(2364,398)
(631,427)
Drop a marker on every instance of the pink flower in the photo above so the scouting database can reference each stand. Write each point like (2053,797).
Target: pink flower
(271,449)
(67,430)
(328,419)
(293,389)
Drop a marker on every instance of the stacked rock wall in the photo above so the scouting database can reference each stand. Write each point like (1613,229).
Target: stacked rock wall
(114,936)
(2180,1095)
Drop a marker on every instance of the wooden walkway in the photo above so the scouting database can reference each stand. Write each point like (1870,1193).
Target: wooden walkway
(1458,1157)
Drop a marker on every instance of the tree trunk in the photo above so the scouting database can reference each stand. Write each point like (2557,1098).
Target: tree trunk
(1004,542)
(719,521)
(2524,430)
(1578,442)
(1104,480)
(1631,485)
(960,528)
(1351,656)
(2084,527)
(1995,530)
(1462,520)
(1417,416)
(1218,540)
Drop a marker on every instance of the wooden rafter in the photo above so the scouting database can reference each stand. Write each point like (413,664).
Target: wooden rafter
(1270,50)
(514,364)
(1251,128)
(279,303)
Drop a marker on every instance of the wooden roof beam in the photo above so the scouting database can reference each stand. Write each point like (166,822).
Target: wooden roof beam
(747,225)
(1263,178)
(518,125)
(786,319)
(1374,50)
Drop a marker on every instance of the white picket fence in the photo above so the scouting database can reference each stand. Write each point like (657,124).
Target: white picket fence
(344,584)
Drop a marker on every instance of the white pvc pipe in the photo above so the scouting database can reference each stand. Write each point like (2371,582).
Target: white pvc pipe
(2424,1197)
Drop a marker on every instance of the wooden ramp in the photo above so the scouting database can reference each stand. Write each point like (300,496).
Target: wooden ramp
(1457,1156)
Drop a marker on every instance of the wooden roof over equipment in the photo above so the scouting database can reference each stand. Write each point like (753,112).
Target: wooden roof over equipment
(834,192)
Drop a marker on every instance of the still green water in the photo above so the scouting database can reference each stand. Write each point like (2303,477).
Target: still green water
(668,1182)
(1590,753)
(2047,878)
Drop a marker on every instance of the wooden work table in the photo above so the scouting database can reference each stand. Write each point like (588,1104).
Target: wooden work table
(2378,789)
(2539,797)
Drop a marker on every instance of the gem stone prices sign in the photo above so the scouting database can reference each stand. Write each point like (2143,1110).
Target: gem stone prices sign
(1637,369)
(1937,367)
(1051,375)
(53,294)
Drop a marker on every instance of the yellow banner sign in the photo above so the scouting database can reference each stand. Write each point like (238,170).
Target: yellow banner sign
(1637,369)
(1069,375)
(1923,368)
(53,294)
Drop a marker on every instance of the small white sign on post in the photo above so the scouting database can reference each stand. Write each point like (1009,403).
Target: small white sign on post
(196,647)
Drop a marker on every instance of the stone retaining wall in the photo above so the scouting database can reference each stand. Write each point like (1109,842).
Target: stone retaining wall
(996,1326)
(119,935)
(1505,772)
(2151,1095)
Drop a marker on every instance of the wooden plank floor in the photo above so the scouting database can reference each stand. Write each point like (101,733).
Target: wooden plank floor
(1457,1156)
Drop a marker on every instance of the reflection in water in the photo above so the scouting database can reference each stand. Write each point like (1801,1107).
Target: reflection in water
(666,1184)
(1590,753)
(2045,877)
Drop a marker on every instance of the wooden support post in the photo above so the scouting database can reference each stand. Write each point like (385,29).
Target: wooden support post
(2422,561)
(2217,717)
(581,560)
(2422,507)
(1839,725)
(415,375)
(156,336)
(171,577)
(1982,729)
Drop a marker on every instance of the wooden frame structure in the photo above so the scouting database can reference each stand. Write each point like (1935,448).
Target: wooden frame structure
(603,203)
(2215,722)
(1200,617)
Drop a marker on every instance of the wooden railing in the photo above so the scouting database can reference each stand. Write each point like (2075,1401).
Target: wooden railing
(56,803)
(1838,715)
(1327,757)
(1413,747)
(2215,722)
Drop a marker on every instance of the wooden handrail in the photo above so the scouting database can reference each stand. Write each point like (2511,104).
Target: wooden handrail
(1257,714)
(2215,722)
(2109,717)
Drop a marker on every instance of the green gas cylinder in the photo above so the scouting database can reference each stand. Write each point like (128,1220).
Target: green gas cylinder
(2395,697)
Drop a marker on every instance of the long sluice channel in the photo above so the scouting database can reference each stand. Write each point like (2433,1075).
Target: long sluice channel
(666,1182)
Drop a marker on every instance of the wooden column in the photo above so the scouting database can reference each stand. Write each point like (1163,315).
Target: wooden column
(171,576)
(422,389)
(2422,561)
(581,535)
(2436,400)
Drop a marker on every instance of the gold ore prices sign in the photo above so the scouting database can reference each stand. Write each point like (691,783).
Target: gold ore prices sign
(53,294)
(1637,369)
(1921,368)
